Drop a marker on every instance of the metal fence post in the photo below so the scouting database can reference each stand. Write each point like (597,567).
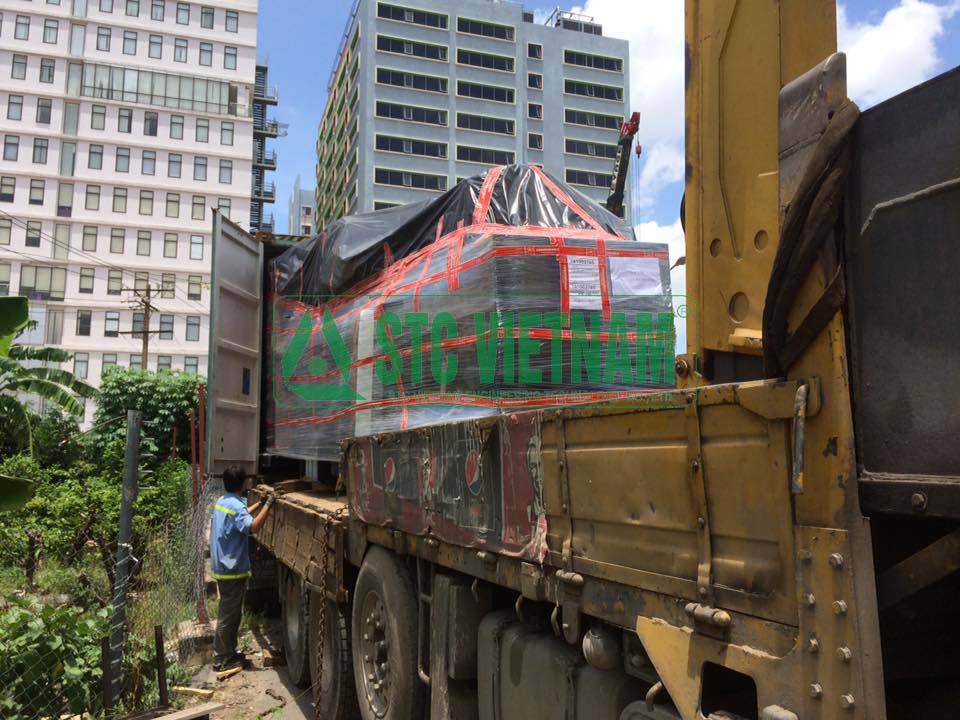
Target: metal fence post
(131,464)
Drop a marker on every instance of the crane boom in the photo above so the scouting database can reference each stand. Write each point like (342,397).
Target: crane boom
(628,131)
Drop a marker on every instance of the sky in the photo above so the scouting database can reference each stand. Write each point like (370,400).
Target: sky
(891,45)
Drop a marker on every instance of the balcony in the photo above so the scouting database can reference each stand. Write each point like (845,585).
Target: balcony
(265,224)
(269,128)
(266,95)
(268,161)
(265,193)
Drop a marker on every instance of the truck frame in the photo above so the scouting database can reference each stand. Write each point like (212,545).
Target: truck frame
(775,539)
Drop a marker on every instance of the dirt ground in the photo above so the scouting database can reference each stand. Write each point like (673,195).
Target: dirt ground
(256,692)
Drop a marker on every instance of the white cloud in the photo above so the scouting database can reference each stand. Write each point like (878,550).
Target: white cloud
(896,53)
(672,236)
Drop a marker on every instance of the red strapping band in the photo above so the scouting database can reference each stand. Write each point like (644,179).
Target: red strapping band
(566,199)
(486,193)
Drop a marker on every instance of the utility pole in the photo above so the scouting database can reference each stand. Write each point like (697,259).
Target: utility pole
(142,303)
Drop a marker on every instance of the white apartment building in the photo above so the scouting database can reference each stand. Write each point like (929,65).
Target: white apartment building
(123,124)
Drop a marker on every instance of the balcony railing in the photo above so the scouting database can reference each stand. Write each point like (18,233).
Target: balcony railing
(270,128)
(265,193)
(269,95)
(268,161)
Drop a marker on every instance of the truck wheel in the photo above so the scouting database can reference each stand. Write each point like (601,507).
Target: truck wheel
(294,613)
(384,632)
(334,694)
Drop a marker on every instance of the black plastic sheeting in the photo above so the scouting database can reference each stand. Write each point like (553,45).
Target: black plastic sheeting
(355,247)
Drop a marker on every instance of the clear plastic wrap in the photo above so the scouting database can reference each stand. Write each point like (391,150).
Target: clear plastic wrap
(527,295)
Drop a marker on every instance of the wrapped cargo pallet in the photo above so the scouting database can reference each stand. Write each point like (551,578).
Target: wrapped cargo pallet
(511,291)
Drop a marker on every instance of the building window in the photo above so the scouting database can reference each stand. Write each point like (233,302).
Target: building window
(491,93)
(179,50)
(485,60)
(591,179)
(14,107)
(206,54)
(117,240)
(129,42)
(48,69)
(428,51)
(598,62)
(42,282)
(50,28)
(111,324)
(92,201)
(199,168)
(485,29)
(164,362)
(81,363)
(150,122)
(485,156)
(412,16)
(203,130)
(40,146)
(412,81)
(223,206)
(155,47)
(21,30)
(8,187)
(146,202)
(86,280)
(535,51)
(206,18)
(4,279)
(98,117)
(11,147)
(594,90)
(44,110)
(133,8)
(141,282)
(158,10)
(226,133)
(6,226)
(109,360)
(535,81)
(419,181)
(482,123)
(411,113)
(168,287)
(36,191)
(190,364)
(119,200)
(84,317)
(61,242)
(230,58)
(114,281)
(123,160)
(106,6)
(18,69)
(173,205)
(591,119)
(199,207)
(148,163)
(33,233)
(196,247)
(176,127)
(535,141)
(136,326)
(136,361)
(124,120)
(593,149)
(183,13)
(232,21)
(193,328)
(144,241)
(194,287)
(95,157)
(89,238)
(226,172)
(535,111)
(169,244)
(65,199)
(387,143)
(174,165)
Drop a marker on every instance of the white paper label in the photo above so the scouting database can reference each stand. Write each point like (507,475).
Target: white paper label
(584,273)
(633,276)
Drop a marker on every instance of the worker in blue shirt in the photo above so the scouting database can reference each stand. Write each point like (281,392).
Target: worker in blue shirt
(233,521)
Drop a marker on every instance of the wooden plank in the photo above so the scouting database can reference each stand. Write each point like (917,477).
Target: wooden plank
(191,713)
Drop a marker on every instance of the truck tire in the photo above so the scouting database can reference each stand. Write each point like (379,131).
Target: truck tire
(384,630)
(334,694)
(295,614)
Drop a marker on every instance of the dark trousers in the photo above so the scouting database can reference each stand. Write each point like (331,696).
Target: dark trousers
(228,618)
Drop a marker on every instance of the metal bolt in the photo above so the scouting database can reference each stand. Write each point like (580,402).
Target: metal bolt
(844,654)
(816,691)
(836,561)
(839,607)
(919,501)
(813,645)
(701,522)
(695,465)
(805,555)
(809,600)
(847,702)
(682,367)
(703,592)
(636,661)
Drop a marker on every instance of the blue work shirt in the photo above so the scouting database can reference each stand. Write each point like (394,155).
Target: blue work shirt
(229,554)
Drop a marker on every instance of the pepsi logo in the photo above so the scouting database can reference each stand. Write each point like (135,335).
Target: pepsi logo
(389,473)
(472,472)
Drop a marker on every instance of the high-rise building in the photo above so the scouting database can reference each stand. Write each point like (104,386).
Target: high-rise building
(264,159)
(124,124)
(424,94)
(300,210)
